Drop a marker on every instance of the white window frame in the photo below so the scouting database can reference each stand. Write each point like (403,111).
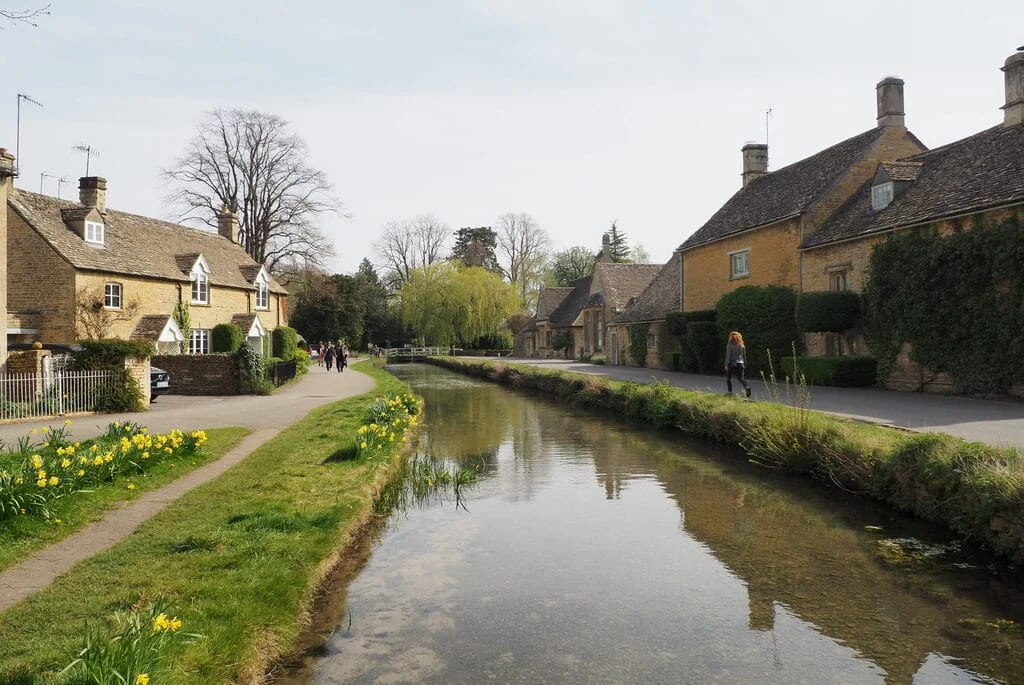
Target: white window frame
(94,231)
(882,195)
(733,272)
(262,294)
(112,295)
(200,287)
(199,341)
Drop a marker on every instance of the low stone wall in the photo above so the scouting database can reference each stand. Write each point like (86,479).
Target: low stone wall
(201,374)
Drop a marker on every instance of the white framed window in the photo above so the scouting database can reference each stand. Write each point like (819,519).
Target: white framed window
(200,288)
(881,195)
(112,295)
(199,341)
(262,295)
(94,232)
(739,263)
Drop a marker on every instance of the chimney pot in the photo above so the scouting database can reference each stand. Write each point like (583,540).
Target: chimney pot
(755,161)
(1013,68)
(889,92)
(92,192)
(227,224)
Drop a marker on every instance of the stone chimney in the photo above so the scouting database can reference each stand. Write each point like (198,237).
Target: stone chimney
(1013,110)
(889,92)
(755,161)
(6,184)
(227,224)
(92,192)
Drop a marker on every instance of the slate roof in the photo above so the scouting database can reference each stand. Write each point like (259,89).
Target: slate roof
(980,172)
(566,313)
(784,193)
(549,299)
(902,171)
(623,281)
(136,245)
(149,327)
(595,300)
(659,298)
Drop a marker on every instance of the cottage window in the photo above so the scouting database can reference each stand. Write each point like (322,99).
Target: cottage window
(94,232)
(739,263)
(837,280)
(599,321)
(881,195)
(112,295)
(835,345)
(200,288)
(262,295)
(199,341)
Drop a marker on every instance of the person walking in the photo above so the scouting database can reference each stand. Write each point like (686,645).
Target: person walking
(342,358)
(736,362)
(329,356)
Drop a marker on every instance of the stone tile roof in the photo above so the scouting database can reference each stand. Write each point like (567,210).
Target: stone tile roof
(787,192)
(979,172)
(620,282)
(902,171)
(659,298)
(595,300)
(549,299)
(149,327)
(566,313)
(136,245)
(244,321)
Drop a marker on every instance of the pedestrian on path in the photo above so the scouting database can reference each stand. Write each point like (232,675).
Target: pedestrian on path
(329,356)
(342,358)
(736,361)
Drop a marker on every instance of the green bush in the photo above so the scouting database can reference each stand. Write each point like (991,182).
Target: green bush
(562,340)
(675,324)
(121,394)
(707,351)
(301,362)
(828,311)
(599,359)
(252,372)
(766,316)
(226,337)
(103,354)
(286,341)
(672,360)
(845,372)
(638,342)
(492,341)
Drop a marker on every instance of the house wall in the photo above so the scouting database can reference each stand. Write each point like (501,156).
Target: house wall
(39,279)
(659,344)
(773,261)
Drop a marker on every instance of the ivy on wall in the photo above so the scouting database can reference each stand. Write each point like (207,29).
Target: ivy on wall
(638,342)
(958,300)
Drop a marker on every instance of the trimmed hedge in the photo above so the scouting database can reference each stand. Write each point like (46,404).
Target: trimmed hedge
(706,353)
(672,360)
(226,337)
(766,316)
(102,354)
(286,341)
(492,341)
(675,324)
(844,372)
(828,312)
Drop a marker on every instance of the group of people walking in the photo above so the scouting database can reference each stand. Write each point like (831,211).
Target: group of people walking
(331,355)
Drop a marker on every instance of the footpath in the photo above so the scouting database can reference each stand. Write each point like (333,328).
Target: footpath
(996,422)
(265,416)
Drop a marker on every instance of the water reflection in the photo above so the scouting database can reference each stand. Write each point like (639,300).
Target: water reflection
(593,552)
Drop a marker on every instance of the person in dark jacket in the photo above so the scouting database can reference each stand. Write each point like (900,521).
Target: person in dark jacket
(329,356)
(342,358)
(736,361)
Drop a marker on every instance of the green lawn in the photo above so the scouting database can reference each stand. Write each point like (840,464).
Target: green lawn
(236,559)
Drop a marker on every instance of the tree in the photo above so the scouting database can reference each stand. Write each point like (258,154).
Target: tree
(568,266)
(253,164)
(410,244)
(316,314)
(617,244)
(374,298)
(639,255)
(475,247)
(446,303)
(523,246)
(24,16)
(94,320)
(518,320)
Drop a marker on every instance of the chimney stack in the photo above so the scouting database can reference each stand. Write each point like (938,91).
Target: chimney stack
(1013,110)
(889,93)
(92,192)
(227,224)
(755,161)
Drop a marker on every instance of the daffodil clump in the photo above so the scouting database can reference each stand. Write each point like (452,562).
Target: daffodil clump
(385,423)
(134,653)
(55,467)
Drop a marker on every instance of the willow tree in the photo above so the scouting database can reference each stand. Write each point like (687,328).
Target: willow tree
(447,303)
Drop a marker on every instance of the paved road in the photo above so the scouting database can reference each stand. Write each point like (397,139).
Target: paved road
(277,411)
(993,421)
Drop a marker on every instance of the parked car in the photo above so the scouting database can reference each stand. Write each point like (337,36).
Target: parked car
(159,382)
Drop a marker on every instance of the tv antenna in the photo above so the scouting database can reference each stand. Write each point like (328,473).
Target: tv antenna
(17,144)
(767,118)
(61,182)
(43,175)
(89,151)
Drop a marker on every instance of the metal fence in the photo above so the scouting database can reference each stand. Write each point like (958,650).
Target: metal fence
(30,395)
(281,372)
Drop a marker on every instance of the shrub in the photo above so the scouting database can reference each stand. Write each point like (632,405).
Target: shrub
(104,354)
(252,372)
(846,372)
(286,341)
(675,324)
(599,359)
(672,360)
(121,394)
(638,342)
(492,341)
(706,350)
(766,316)
(562,340)
(828,312)
(301,362)
(226,337)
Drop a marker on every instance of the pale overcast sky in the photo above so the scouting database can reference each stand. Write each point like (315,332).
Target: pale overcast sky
(574,111)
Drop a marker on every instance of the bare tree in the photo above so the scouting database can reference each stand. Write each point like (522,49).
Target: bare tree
(410,244)
(24,16)
(523,251)
(253,164)
(94,320)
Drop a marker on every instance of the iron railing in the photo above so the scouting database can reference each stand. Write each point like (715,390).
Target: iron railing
(31,395)
(281,372)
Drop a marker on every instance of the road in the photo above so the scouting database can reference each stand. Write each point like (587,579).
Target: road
(996,422)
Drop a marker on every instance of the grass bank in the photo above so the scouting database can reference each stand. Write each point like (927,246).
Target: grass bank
(23,535)
(974,489)
(237,560)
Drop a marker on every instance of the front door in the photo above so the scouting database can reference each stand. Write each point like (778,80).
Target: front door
(614,356)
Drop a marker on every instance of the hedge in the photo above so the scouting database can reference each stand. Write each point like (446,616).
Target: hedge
(226,337)
(766,316)
(675,322)
(708,353)
(101,354)
(286,341)
(492,341)
(845,372)
(828,312)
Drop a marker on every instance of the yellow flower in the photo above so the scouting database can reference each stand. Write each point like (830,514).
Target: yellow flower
(41,474)
(362,445)
(81,472)
(131,486)
(37,463)
(175,624)
(98,461)
(145,455)
(67,422)
(142,679)
(57,521)
(161,622)
(65,463)
(46,429)
(41,482)
(54,480)
(34,431)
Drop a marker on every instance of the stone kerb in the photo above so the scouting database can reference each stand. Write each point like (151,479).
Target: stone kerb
(201,374)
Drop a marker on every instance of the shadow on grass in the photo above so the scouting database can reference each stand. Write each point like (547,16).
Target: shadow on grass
(343,453)
(280,522)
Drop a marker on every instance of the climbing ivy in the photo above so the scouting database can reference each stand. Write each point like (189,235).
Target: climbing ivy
(638,342)
(958,300)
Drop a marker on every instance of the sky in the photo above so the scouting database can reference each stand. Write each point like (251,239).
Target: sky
(577,112)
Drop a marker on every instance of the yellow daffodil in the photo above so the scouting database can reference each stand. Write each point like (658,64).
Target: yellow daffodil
(65,463)
(161,622)
(80,473)
(142,679)
(131,486)
(41,482)
(37,462)
(54,480)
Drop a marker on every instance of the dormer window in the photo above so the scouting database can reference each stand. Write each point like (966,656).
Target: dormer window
(200,287)
(94,232)
(881,195)
(262,294)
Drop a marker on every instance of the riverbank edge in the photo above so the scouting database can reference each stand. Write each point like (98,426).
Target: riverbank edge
(274,640)
(973,489)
